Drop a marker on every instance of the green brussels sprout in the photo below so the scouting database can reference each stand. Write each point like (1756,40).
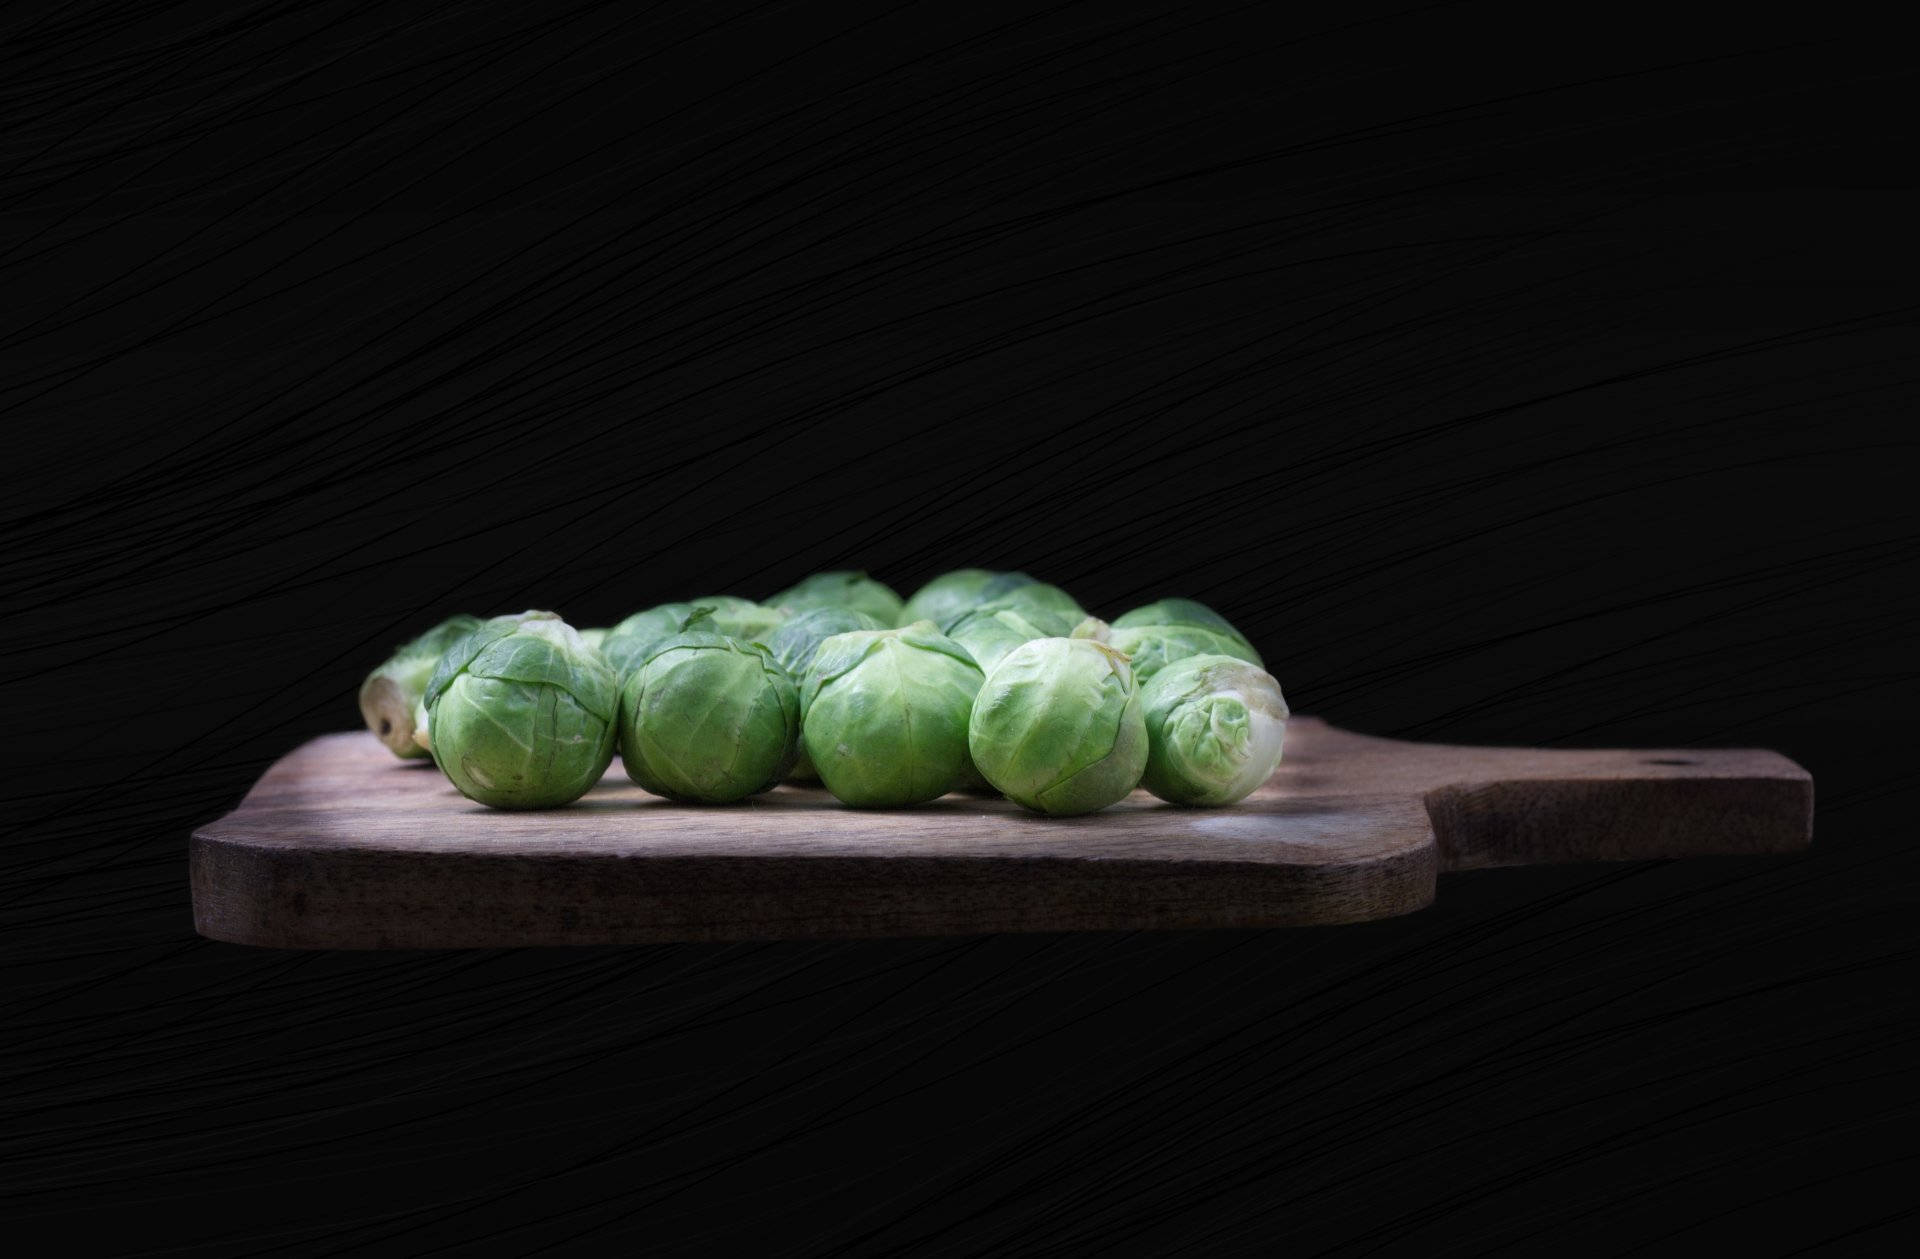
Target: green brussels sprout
(706,718)
(521,713)
(391,693)
(1001,584)
(629,642)
(1179,612)
(1160,633)
(632,640)
(594,638)
(1029,596)
(992,630)
(841,590)
(793,645)
(1152,648)
(950,594)
(1058,726)
(743,619)
(884,714)
(1215,725)
(661,621)
(1093,627)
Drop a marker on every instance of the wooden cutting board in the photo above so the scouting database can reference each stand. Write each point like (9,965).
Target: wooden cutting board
(339,845)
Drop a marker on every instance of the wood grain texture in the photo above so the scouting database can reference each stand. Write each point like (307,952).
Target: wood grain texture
(340,846)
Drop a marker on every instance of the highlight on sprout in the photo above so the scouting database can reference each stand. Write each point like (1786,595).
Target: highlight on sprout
(391,695)
(706,718)
(884,714)
(1215,728)
(521,713)
(1058,726)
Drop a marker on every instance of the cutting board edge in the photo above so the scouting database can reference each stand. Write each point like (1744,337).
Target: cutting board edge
(266,896)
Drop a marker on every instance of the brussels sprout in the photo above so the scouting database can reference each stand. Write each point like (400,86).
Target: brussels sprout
(992,630)
(884,714)
(1215,725)
(841,590)
(629,642)
(661,621)
(1003,584)
(1179,612)
(1160,633)
(743,619)
(1058,727)
(950,594)
(632,640)
(794,644)
(1152,648)
(594,638)
(1030,596)
(391,693)
(521,713)
(706,718)
(1093,627)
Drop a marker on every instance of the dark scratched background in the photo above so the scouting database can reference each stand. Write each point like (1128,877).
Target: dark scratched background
(1511,373)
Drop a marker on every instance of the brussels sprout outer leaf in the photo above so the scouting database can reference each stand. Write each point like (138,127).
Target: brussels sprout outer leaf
(658,621)
(707,719)
(544,660)
(1179,612)
(884,715)
(436,641)
(511,745)
(1031,597)
(841,589)
(520,713)
(947,596)
(1001,584)
(798,638)
(1093,627)
(1152,648)
(458,656)
(1057,726)
(742,619)
(390,694)
(633,639)
(793,645)
(992,630)
(1215,730)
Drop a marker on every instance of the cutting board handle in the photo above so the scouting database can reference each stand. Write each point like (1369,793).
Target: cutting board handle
(1618,805)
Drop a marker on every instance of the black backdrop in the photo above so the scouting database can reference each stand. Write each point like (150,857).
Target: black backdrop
(1510,373)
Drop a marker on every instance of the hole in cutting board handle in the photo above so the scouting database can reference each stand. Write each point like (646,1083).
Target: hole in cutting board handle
(1668,760)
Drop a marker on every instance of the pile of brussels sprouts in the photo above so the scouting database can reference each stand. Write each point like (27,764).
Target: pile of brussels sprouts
(982,682)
